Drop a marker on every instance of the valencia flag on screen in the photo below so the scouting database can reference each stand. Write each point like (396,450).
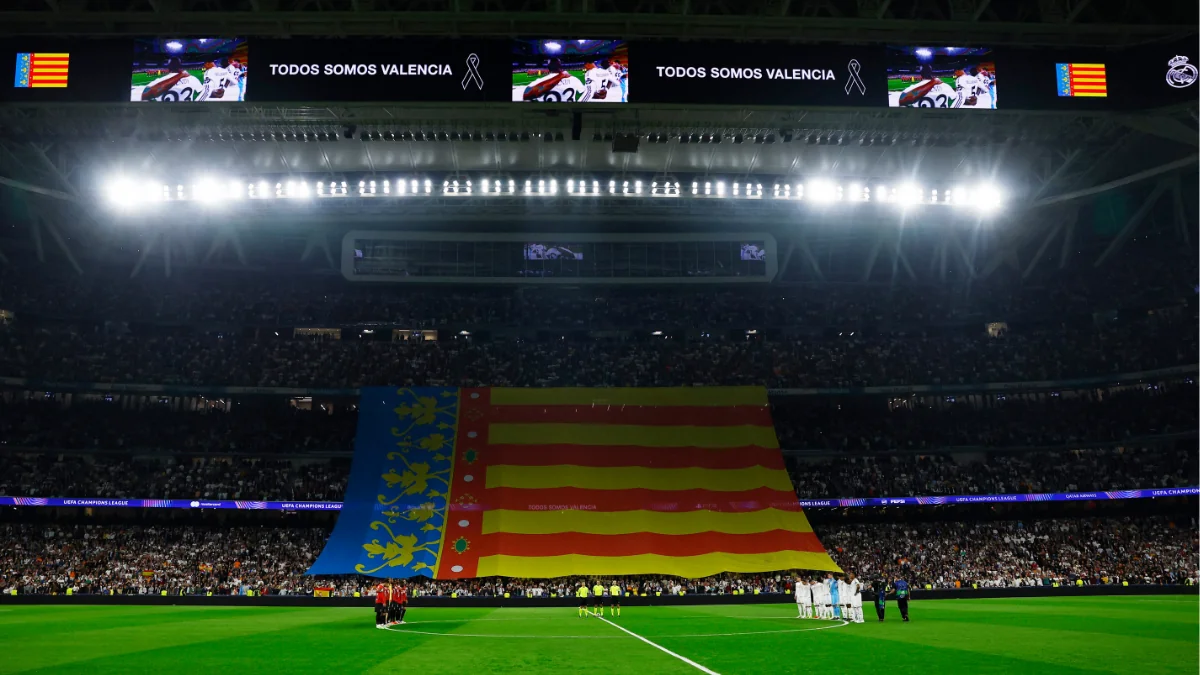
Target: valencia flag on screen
(41,70)
(1082,79)
(456,483)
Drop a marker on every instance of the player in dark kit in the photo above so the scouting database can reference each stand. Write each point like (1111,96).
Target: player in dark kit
(381,605)
(401,603)
(393,606)
(901,587)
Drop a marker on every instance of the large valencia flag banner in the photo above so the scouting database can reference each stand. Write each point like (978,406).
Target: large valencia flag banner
(455,483)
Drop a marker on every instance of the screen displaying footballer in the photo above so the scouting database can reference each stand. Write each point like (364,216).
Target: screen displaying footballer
(570,71)
(182,71)
(941,77)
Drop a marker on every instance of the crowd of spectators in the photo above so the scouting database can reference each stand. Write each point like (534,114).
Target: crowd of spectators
(114,477)
(873,424)
(857,424)
(111,476)
(241,430)
(1015,553)
(841,360)
(49,558)
(1010,473)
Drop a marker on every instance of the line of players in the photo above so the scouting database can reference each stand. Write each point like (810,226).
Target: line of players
(604,81)
(833,598)
(601,597)
(974,87)
(391,604)
(224,80)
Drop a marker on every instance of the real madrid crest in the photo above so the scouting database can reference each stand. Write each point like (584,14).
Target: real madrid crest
(1181,74)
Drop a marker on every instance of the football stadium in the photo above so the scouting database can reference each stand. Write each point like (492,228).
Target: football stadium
(817,352)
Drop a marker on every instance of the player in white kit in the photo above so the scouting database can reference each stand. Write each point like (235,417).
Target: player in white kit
(219,83)
(820,593)
(559,86)
(803,599)
(971,89)
(854,593)
(622,76)
(176,86)
(600,85)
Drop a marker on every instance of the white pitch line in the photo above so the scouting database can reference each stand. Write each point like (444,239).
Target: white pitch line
(763,632)
(510,637)
(659,647)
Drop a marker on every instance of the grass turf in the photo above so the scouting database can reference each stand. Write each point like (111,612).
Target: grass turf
(1061,636)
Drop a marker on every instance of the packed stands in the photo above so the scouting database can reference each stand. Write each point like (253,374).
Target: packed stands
(49,558)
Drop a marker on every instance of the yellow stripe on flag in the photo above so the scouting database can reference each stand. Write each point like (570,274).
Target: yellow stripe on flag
(628,478)
(1087,65)
(689,566)
(633,434)
(667,396)
(631,522)
(1091,93)
(43,55)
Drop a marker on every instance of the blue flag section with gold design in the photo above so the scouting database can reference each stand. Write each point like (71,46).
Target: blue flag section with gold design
(393,519)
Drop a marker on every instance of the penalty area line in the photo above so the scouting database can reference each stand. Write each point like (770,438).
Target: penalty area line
(657,646)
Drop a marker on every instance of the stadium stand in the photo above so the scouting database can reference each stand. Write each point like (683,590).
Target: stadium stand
(49,558)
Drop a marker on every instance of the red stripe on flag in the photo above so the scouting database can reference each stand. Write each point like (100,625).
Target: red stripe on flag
(643,415)
(458,557)
(620,545)
(636,499)
(634,456)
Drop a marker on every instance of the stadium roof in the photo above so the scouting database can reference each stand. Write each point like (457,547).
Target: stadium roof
(1023,22)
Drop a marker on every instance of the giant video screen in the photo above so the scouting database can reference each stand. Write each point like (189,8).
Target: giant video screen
(941,77)
(570,71)
(177,70)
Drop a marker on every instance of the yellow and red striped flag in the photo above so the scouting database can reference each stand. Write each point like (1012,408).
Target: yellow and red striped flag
(1082,79)
(680,481)
(38,70)
(456,483)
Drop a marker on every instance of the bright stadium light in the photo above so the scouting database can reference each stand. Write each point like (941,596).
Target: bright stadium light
(821,191)
(122,193)
(988,197)
(909,194)
(553,47)
(208,193)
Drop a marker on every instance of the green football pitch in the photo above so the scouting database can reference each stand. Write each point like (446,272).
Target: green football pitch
(142,79)
(1062,636)
(525,79)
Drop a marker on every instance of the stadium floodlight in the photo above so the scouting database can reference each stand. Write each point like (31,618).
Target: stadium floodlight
(174,46)
(881,193)
(853,193)
(720,188)
(121,193)
(209,193)
(923,53)
(428,186)
(909,194)
(988,197)
(821,191)
(638,187)
(553,47)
